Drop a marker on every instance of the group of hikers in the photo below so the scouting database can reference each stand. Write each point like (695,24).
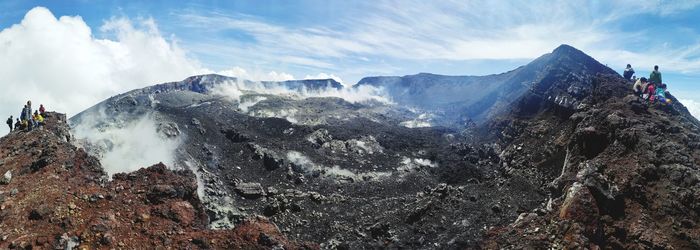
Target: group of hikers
(652,89)
(28,120)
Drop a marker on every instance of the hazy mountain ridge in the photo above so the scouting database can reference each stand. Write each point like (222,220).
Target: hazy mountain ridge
(480,98)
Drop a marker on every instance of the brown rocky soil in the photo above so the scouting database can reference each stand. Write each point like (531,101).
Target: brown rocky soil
(58,197)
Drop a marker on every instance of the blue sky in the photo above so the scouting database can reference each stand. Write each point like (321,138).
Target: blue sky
(352,39)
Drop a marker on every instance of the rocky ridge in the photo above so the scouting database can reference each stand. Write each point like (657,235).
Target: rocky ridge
(620,173)
(55,196)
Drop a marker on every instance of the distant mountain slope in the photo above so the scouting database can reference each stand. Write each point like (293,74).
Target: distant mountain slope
(203,84)
(480,97)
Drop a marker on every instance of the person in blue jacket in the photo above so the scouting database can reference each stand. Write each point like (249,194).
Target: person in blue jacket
(629,72)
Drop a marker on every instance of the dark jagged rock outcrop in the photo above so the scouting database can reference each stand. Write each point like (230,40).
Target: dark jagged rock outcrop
(621,173)
(58,197)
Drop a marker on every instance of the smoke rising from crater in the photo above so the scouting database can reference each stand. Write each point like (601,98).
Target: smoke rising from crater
(127,144)
(233,90)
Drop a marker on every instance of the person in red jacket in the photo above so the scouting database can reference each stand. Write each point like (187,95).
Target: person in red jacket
(651,90)
(42,110)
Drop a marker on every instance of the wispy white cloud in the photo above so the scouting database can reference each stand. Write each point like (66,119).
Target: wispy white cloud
(453,31)
(685,59)
(659,7)
(301,60)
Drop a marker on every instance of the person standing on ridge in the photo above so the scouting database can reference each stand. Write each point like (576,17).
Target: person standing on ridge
(42,110)
(23,115)
(30,118)
(9,123)
(629,72)
(655,76)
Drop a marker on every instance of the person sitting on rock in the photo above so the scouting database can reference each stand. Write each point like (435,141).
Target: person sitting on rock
(38,119)
(639,86)
(629,72)
(661,93)
(651,92)
(18,125)
(655,76)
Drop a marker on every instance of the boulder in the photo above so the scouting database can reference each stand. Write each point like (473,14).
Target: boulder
(235,136)
(181,212)
(197,124)
(6,178)
(272,208)
(42,162)
(169,130)
(335,147)
(250,190)
(159,193)
(365,145)
(40,213)
(319,137)
(581,207)
(271,162)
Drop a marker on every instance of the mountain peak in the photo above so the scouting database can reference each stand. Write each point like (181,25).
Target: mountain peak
(576,56)
(566,49)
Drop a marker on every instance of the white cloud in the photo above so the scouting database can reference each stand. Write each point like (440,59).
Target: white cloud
(256,75)
(61,64)
(325,76)
(693,107)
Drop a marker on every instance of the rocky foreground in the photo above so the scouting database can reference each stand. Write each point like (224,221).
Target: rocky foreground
(574,162)
(54,196)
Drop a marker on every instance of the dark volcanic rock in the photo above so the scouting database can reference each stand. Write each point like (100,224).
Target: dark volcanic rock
(235,136)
